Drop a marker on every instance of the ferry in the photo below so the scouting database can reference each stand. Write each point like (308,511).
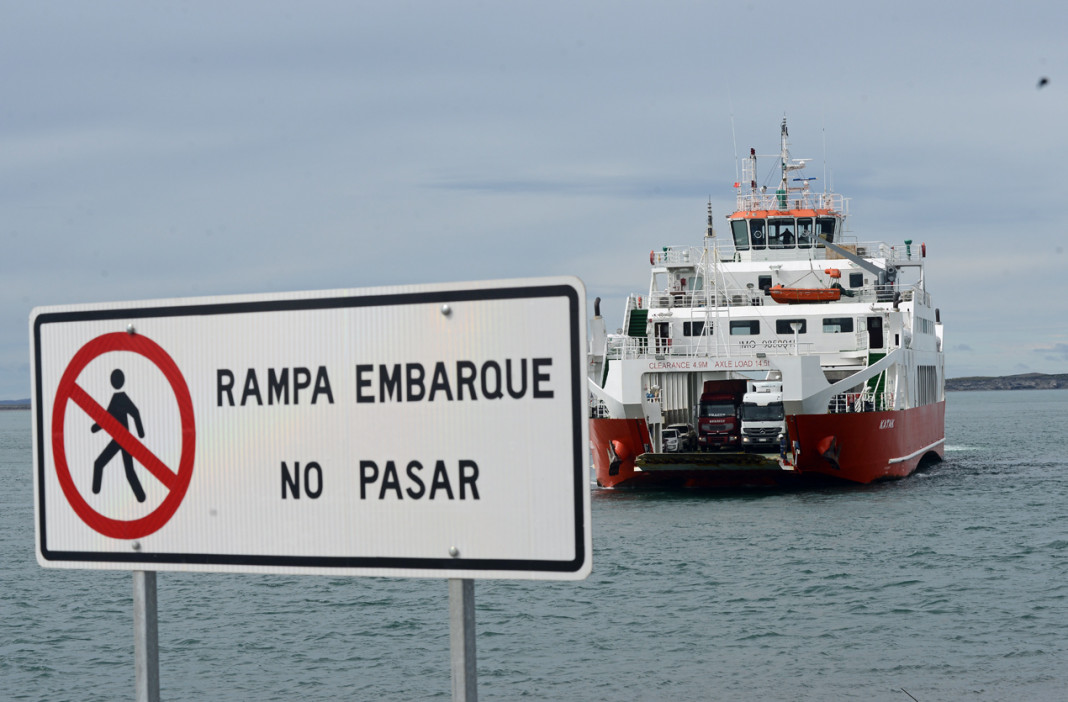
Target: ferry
(787,352)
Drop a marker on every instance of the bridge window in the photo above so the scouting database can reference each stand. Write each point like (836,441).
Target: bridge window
(745,327)
(806,235)
(827,227)
(781,234)
(756,226)
(740,231)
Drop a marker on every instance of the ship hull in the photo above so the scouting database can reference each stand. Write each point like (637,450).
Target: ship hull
(863,447)
(860,447)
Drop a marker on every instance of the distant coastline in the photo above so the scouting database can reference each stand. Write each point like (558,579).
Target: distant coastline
(1024,381)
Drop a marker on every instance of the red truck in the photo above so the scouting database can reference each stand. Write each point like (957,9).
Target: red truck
(719,424)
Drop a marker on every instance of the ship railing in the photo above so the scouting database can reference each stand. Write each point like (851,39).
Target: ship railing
(628,347)
(864,249)
(899,253)
(617,345)
(638,348)
(745,297)
(792,200)
(866,401)
(667,300)
(914,292)
(847,402)
(742,297)
(676,255)
(721,297)
(710,346)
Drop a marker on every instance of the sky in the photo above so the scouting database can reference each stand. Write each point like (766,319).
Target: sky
(176,149)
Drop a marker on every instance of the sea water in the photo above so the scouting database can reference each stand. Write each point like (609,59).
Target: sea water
(949,585)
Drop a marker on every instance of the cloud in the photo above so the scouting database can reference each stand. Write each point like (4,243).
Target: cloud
(1057,352)
(619,187)
(962,347)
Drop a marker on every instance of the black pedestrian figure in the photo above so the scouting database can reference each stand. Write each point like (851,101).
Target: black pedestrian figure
(121,408)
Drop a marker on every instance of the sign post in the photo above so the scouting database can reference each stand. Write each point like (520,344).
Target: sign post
(146,637)
(462,639)
(410,431)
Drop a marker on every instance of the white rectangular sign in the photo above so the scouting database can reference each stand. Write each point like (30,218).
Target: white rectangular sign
(433,431)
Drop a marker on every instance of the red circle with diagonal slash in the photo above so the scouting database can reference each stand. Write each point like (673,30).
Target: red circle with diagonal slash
(177,482)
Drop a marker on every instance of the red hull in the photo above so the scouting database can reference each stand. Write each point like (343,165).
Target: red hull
(867,446)
(856,447)
(616,443)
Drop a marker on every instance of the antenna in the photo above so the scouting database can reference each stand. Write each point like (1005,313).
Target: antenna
(734,138)
(826,184)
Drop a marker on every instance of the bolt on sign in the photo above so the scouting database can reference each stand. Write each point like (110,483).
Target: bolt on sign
(429,431)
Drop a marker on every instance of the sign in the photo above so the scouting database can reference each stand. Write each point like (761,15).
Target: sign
(431,431)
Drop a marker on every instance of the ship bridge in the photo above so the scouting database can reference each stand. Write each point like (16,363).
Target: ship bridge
(788,221)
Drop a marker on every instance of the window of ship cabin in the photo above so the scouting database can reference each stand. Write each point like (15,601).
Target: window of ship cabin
(745,327)
(781,234)
(837,325)
(764,283)
(756,226)
(695,329)
(826,228)
(856,280)
(782,326)
(740,231)
(806,235)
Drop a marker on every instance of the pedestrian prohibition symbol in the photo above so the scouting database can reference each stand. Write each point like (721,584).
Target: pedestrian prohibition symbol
(113,423)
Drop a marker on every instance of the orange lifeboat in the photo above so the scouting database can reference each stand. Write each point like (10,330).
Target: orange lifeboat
(794,295)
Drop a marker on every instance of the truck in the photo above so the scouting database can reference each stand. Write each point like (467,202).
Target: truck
(763,419)
(718,415)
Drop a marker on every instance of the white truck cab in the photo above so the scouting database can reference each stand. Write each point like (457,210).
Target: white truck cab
(763,419)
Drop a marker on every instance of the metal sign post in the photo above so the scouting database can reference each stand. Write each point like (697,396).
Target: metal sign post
(146,637)
(462,639)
